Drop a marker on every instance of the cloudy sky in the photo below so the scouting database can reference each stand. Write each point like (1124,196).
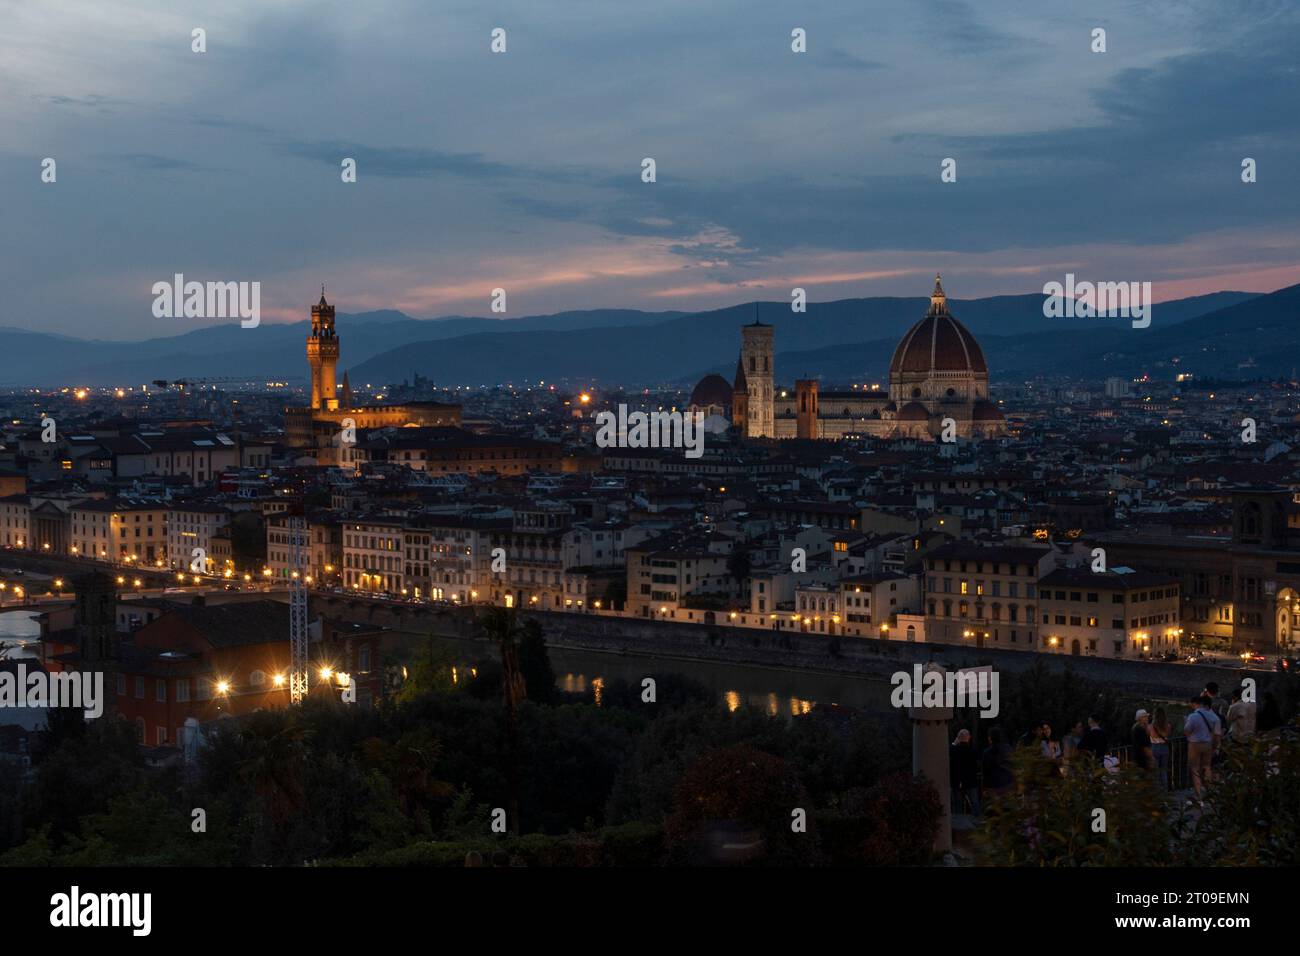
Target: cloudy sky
(522,170)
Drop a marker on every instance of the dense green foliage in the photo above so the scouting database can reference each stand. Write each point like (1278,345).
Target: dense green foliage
(1250,816)
(617,780)
(415,780)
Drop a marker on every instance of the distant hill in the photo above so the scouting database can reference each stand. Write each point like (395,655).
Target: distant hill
(270,350)
(846,340)
(820,342)
(1253,337)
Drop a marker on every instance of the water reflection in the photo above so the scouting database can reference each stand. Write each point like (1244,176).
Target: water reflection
(20,632)
(769,690)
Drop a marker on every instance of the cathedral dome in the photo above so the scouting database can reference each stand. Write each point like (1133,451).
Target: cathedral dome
(913,412)
(938,343)
(711,390)
(987,412)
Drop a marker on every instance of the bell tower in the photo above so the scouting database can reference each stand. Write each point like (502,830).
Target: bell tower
(323,355)
(757,360)
(806,410)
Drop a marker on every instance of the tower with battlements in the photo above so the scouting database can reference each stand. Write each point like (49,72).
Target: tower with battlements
(323,355)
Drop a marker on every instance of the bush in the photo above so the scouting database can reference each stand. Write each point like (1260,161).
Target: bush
(735,804)
(1251,815)
(630,845)
(893,823)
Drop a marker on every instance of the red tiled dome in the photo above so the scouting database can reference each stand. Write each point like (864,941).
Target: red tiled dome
(711,390)
(987,412)
(913,412)
(938,343)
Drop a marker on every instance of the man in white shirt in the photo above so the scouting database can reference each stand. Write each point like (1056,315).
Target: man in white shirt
(1203,731)
(1241,717)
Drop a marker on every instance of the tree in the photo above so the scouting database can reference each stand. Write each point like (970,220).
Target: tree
(501,625)
(535,664)
(430,672)
(739,565)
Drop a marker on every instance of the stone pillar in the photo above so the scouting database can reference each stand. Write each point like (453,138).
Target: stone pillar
(930,757)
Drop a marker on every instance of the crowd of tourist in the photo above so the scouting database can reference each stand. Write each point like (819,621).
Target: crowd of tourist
(1211,723)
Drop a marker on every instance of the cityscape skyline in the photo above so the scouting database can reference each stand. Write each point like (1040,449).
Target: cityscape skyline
(649,437)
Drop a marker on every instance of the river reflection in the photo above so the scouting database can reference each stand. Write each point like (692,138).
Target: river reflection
(770,690)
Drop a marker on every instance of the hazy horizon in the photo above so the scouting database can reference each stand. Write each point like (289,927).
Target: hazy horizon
(343,312)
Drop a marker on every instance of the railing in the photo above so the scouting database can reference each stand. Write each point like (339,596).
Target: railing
(1176,771)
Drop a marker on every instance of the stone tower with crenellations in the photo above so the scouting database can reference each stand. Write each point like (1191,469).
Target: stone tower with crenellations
(323,355)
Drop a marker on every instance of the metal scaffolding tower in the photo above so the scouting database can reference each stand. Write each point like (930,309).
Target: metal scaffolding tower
(297,611)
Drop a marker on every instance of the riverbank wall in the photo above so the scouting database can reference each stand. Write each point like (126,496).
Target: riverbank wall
(868,657)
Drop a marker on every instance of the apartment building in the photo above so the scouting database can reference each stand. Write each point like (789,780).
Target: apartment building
(373,554)
(14,513)
(191,529)
(533,549)
(1117,613)
(119,531)
(869,602)
(984,595)
(662,573)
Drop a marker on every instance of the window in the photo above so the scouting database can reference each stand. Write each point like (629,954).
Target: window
(160,691)
(183,691)
(139,688)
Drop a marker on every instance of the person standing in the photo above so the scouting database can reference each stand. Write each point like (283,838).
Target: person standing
(963,773)
(1051,748)
(1033,737)
(1217,703)
(1160,731)
(1070,742)
(995,764)
(1094,740)
(1140,739)
(1241,717)
(1202,729)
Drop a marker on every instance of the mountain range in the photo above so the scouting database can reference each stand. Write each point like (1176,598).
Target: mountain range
(1223,335)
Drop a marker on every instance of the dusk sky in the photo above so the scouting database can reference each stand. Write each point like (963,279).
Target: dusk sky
(522,170)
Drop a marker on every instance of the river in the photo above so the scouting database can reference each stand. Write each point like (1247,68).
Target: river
(776,691)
